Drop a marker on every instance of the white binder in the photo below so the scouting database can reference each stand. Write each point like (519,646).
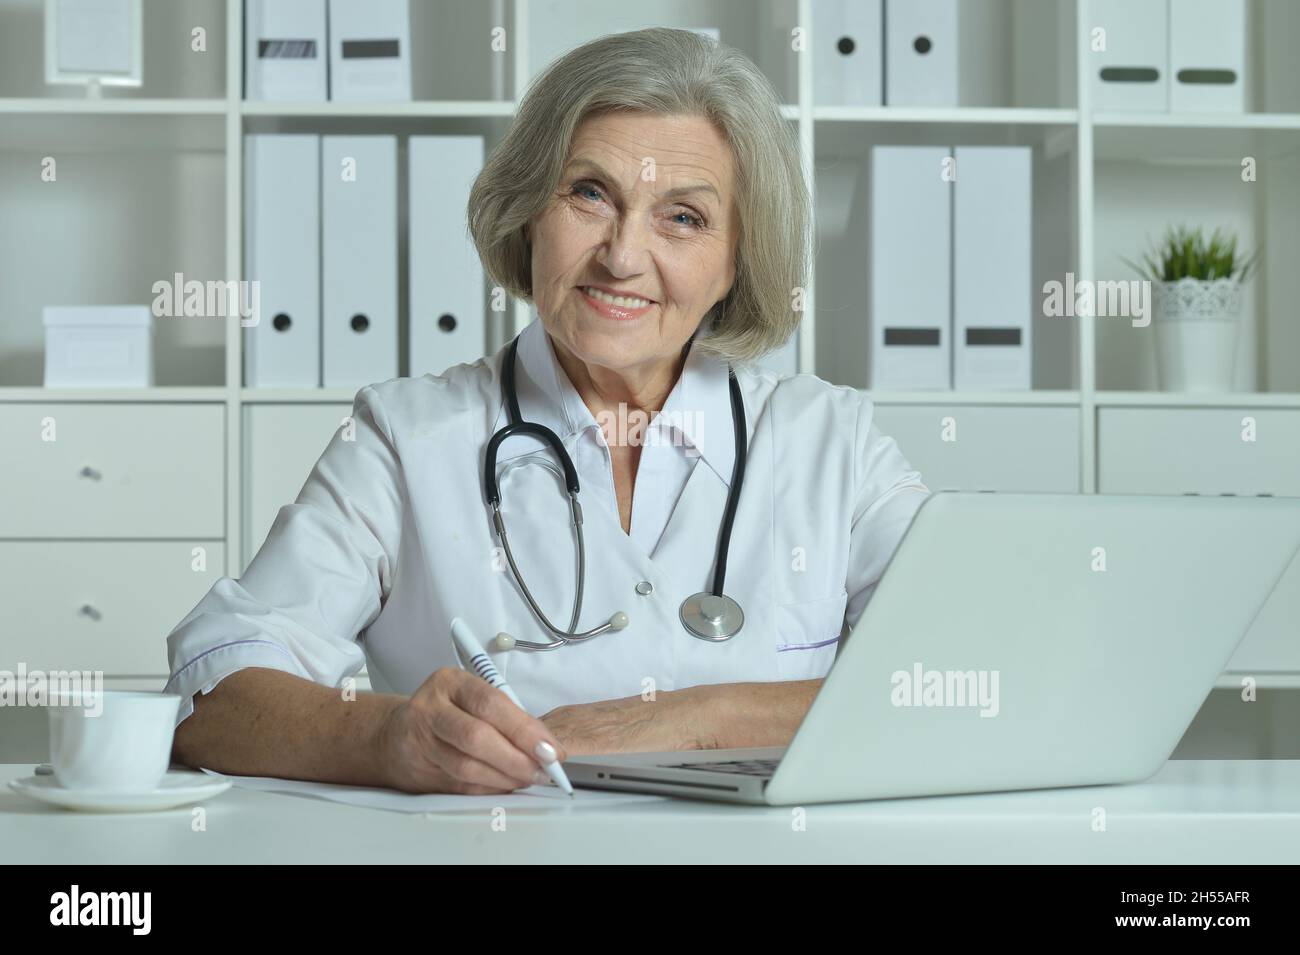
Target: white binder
(848,52)
(285,51)
(1132,72)
(992,258)
(911,276)
(921,45)
(447,321)
(370,51)
(946,53)
(359,261)
(1207,55)
(282,254)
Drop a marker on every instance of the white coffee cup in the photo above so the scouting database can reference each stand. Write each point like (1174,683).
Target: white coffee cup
(112,740)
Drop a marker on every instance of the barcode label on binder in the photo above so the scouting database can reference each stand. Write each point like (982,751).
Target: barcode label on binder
(286,49)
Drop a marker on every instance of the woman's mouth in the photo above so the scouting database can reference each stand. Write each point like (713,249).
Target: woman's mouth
(620,308)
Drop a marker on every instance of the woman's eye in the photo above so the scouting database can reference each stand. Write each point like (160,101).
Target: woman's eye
(587,189)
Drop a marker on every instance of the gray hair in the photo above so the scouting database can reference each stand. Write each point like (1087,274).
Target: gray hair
(668,72)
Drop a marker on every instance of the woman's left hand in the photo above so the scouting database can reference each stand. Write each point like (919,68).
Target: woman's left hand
(673,720)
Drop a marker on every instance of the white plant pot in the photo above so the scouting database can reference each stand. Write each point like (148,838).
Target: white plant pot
(1196,333)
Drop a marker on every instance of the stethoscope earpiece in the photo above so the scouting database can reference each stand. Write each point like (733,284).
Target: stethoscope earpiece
(504,641)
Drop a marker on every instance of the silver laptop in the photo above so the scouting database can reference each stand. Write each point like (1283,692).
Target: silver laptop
(1016,641)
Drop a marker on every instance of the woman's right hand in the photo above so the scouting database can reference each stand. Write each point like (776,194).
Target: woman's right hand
(459,734)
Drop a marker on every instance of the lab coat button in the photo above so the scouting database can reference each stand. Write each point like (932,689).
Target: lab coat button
(645,588)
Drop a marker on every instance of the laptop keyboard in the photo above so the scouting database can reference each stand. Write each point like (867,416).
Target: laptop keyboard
(745,767)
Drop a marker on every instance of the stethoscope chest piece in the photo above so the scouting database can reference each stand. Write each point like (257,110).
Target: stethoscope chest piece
(711,617)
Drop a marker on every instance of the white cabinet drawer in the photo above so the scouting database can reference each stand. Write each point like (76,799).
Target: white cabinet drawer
(113,470)
(986,447)
(1202,451)
(92,605)
(282,443)
(1198,451)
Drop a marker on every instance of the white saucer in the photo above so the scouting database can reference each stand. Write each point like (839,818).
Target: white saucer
(177,788)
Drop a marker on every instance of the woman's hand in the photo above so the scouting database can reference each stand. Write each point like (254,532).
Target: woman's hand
(673,720)
(458,734)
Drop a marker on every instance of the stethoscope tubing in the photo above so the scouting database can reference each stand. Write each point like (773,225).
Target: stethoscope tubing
(569,477)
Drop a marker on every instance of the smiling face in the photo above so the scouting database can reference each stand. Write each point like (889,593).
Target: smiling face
(644,207)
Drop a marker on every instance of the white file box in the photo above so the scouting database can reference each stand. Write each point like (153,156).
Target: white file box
(282,254)
(945,53)
(848,52)
(921,41)
(911,277)
(1207,56)
(992,258)
(94,42)
(98,346)
(370,51)
(1132,72)
(447,321)
(285,51)
(359,259)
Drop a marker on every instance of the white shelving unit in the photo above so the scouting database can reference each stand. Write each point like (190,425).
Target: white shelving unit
(150,183)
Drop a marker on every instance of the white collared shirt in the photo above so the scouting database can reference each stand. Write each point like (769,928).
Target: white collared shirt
(391,537)
(672,442)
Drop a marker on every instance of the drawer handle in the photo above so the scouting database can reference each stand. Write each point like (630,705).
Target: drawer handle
(89,472)
(88,611)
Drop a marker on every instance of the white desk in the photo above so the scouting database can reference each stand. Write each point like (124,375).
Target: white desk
(1193,811)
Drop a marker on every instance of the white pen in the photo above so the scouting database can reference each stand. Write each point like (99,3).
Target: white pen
(476,658)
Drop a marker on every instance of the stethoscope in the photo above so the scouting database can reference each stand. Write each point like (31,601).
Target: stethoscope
(710,615)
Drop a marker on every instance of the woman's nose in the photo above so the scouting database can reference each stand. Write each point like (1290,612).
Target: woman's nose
(625,247)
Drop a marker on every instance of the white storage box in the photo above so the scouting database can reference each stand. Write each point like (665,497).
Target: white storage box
(848,40)
(911,269)
(992,258)
(370,51)
(1132,72)
(1207,55)
(285,51)
(945,52)
(98,346)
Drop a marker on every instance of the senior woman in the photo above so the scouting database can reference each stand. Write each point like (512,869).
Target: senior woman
(648,200)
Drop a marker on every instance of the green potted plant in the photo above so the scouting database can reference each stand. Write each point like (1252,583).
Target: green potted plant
(1196,285)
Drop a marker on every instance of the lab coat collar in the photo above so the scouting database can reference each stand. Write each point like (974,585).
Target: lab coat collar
(696,415)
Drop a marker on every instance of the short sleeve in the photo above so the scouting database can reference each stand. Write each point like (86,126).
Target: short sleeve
(889,491)
(317,582)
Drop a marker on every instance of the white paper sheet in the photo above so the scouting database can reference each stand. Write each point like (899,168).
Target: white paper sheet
(534,797)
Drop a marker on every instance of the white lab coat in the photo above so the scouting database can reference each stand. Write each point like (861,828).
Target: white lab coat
(391,537)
